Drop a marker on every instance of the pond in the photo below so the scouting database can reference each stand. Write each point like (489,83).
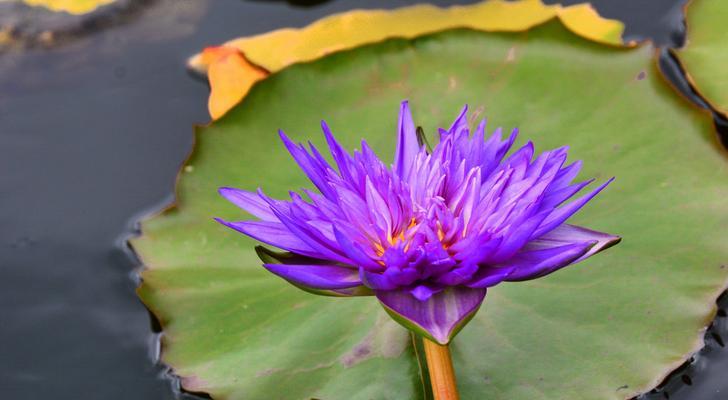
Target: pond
(94,125)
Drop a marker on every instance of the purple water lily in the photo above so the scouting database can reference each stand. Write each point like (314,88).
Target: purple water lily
(428,235)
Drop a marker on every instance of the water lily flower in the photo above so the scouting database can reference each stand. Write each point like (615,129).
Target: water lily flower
(429,234)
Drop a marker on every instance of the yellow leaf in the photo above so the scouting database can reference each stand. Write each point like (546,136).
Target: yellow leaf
(231,76)
(76,7)
(584,20)
(359,27)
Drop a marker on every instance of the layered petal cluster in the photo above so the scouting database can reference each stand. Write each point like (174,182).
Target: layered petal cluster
(428,234)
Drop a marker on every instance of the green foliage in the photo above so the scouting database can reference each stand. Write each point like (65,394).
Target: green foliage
(609,328)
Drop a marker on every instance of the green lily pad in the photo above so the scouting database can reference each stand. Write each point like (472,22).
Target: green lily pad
(706,54)
(609,328)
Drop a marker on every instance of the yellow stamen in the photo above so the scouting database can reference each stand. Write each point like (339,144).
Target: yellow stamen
(393,240)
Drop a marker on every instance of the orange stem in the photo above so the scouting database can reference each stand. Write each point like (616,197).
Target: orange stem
(442,375)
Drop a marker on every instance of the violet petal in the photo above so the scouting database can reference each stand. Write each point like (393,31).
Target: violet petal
(407,144)
(248,201)
(566,233)
(272,233)
(537,263)
(317,276)
(440,317)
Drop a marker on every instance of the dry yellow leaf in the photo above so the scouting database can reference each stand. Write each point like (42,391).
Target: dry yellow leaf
(76,7)
(231,76)
(278,49)
(584,20)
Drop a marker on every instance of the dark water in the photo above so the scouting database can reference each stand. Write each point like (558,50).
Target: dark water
(92,131)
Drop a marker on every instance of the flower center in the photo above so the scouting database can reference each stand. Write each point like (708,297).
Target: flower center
(394,239)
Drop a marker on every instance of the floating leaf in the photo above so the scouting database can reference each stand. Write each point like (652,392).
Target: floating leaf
(76,7)
(609,328)
(706,54)
(231,76)
(355,28)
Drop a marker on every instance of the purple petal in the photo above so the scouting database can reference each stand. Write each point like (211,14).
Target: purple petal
(458,275)
(248,201)
(554,198)
(272,233)
(567,174)
(287,258)
(376,280)
(378,208)
(459,128)
(424,292)
(440,317)
(402,277)
(537,263)
(355,253)
(341,157)
(326,247)
(476,251)
(566,233)
(315,171)
(521,157)
(558,216)
(517,238)
(490,276)
(407,145)
(317,276)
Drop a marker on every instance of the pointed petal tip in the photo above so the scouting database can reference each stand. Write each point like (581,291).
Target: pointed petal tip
(228,224)
(229,193)
(404,109)
(285,139)
(615,240)
(461,118)
(602,186)
(407,142)
(405,112)
(566,233)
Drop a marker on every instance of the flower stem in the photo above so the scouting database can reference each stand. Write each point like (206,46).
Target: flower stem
(442,375)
